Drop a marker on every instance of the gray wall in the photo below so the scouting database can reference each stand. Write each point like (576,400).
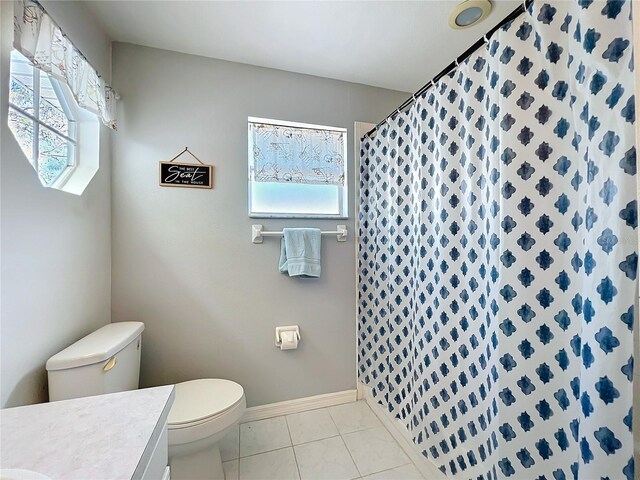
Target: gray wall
(55,247)
(183,261)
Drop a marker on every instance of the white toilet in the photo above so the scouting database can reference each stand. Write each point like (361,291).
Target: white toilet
(108,360)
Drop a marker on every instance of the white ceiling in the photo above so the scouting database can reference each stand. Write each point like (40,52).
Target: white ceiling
(392,44)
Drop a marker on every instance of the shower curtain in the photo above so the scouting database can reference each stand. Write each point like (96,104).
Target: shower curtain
(497,253)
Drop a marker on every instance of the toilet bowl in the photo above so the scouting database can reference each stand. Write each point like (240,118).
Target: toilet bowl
(203,412)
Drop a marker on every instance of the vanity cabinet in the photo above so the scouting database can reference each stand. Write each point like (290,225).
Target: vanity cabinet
(114,436)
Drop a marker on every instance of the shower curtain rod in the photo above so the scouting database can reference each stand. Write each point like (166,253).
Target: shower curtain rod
(513,15)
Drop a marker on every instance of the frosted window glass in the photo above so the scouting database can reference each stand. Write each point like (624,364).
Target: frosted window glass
(303,200)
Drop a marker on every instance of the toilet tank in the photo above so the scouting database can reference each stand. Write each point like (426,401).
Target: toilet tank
(105,361)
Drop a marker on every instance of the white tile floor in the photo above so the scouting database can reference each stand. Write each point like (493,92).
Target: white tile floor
(344,442)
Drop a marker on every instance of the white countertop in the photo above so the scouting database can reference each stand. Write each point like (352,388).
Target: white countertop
(103,437)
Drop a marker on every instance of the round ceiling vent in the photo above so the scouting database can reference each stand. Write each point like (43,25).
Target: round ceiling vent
(469,13)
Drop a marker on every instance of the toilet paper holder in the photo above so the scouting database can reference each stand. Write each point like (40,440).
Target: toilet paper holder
(294,329)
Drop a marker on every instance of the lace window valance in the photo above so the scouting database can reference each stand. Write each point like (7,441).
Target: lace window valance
(292,154)
(42,41)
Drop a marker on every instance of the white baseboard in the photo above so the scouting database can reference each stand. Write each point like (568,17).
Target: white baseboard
(298,405)
(402,436)
(361,391)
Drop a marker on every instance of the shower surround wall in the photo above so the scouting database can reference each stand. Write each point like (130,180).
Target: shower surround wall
(183,261)
(498,265)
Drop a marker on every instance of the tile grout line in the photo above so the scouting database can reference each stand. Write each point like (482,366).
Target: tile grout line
(266,451)
(345,444)
(351,457)
(333,420)
(316,440)
(364,429)
(295,458)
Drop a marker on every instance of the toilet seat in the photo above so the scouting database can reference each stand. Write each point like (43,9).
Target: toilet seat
(203,408)
(198,401)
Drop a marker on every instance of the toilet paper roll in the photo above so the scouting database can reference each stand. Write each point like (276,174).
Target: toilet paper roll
(289,341)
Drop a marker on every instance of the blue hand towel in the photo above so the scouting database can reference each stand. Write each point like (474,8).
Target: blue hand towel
(300,252)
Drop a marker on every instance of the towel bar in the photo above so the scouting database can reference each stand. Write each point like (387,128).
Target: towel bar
(258,233)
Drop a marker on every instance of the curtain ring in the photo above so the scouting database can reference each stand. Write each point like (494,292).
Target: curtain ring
(486,40)
(455,60)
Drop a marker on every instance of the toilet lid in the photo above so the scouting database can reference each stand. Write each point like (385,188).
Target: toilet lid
(197,400)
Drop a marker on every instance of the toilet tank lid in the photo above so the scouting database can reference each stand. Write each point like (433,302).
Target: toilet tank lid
(97,346)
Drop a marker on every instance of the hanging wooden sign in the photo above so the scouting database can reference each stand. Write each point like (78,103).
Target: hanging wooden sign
(190,175)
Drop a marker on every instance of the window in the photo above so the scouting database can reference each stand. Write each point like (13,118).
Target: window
(47,124)
(42,121)
(297,170)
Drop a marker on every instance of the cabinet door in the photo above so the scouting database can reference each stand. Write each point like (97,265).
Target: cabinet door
(157,467)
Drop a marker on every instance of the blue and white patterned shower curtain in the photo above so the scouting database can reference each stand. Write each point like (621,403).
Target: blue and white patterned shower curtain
(497,260)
